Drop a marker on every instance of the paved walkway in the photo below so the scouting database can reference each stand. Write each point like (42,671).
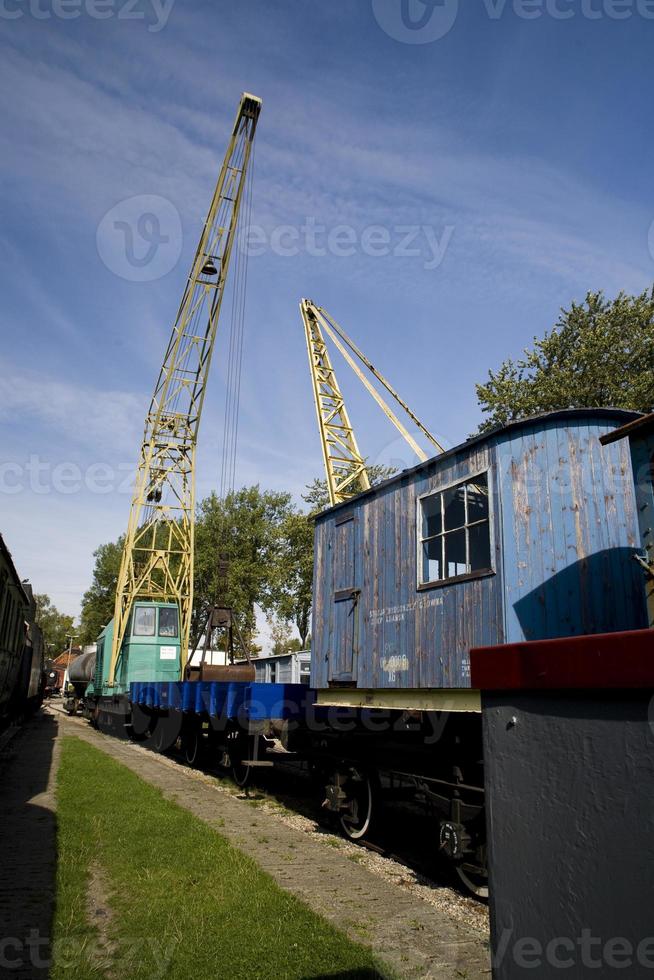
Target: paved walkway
(412,937)
(28,848)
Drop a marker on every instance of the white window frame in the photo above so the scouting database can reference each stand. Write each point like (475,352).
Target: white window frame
(467,576)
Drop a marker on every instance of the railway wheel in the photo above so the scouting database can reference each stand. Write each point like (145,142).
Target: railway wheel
(192,745)
(239,751)
(138,728)
(474,875)
(359,806)
(165,732)
(467,856)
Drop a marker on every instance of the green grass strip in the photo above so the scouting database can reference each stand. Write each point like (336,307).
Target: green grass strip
(183,903)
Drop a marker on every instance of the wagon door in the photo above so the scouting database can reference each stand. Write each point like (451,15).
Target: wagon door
(343,660)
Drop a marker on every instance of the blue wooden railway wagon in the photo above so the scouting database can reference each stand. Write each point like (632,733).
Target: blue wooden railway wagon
(525,533)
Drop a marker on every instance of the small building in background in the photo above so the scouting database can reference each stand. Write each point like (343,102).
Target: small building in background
(57,667)
(282,668)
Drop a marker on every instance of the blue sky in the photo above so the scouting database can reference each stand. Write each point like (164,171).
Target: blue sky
(517,143)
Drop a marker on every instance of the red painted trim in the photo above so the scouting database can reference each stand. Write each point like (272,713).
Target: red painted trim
(604,660)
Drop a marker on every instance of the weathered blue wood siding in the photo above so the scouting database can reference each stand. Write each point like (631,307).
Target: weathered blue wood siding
(563,530)
(569,530)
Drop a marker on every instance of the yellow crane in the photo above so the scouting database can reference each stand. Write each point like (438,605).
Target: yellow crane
(157,559)
(345,467)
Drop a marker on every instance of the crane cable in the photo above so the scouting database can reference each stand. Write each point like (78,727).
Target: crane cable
(235,352)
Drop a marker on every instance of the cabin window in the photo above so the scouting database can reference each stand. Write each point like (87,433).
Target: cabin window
(144,621)
(454,532)
(168,622)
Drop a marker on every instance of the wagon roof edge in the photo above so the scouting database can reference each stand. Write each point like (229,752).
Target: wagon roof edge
(624,415)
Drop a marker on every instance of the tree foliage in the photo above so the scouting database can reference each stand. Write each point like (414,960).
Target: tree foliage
(56,626)
(600,353)
(282,639)
(292,585)
(238,541)
(252,548)
(98,601)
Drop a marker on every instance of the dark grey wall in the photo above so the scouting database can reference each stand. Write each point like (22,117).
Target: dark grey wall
(570,804)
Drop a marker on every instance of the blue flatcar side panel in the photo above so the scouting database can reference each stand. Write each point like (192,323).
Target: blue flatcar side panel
(279,702)
(225,699)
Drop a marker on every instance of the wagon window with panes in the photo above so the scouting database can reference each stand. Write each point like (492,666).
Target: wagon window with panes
(144,619)
(167,621)
(454,532)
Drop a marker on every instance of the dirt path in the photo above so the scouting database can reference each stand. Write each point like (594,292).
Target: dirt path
(412,936)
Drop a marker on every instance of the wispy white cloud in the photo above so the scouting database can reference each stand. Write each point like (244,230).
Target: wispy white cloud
(71,412)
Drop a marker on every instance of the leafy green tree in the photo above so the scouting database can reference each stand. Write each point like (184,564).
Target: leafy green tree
(292,590)
(56,626)
(600,353)
(282,639)
(237,549)
(98,601)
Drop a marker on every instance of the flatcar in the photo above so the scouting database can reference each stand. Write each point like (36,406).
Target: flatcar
(527,532)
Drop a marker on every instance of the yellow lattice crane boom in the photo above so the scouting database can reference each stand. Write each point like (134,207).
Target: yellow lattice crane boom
(345,467)
(157,560)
